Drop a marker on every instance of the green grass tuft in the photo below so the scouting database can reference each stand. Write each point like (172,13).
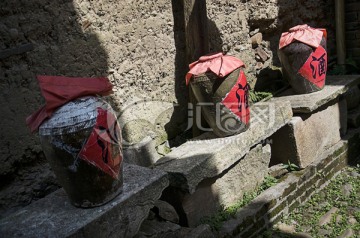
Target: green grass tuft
(258,96)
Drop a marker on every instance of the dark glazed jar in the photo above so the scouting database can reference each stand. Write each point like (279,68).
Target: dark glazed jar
(83,146)
(304,59)
(224,101)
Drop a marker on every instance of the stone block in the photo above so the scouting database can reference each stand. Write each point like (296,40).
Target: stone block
(146,124)
(277,171)
(308,103)
(245,176)
(166,211)
(53,216)
(154,229)
(302,141)
(227,188)
(162,229)
(256,39)
(142,154)
(202,231)
(263,56)
(326,218)
(208,156)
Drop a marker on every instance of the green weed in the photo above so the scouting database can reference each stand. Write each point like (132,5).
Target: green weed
(291,166)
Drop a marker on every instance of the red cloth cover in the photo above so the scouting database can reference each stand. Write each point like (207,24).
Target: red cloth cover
(314,69)
(58,90)
(219,64)
(102,147)
(237,100)
(304,34)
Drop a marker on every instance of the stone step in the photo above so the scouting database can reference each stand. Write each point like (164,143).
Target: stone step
(302,141)
(294,189)
(54,216)
(308,103)
(228,188)
(208,156)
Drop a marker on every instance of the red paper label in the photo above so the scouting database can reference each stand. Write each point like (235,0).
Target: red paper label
(315,67)
(237,100)
(103,148)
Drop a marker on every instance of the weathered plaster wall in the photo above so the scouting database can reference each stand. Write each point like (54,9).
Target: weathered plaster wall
(242,23)
(139,44)
(130,41)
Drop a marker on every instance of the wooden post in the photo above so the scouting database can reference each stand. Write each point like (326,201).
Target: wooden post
(340,32)
(197,41)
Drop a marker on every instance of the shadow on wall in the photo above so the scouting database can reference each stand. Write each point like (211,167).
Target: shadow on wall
(179,119)
(317,14)
(63,44)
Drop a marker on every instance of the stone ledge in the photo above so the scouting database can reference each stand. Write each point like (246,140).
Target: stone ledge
(226,189)
(54,216)
(295,189)
(208,156)
(308,103)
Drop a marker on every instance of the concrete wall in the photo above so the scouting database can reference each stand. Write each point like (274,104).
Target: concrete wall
(138,44)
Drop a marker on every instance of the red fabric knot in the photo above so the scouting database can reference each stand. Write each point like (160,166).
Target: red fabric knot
(218,63)
(210,57)
(302,33)
(298,28)
(58,90)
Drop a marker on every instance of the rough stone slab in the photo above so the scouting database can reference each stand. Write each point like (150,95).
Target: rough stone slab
(142,118)
(155,228)
(202,231)
(162,229)
(326,218)
(307,103)
(166,211)
(208,156)
(54,216)
(277,170)
(228,188)
(303,141)
(142,154)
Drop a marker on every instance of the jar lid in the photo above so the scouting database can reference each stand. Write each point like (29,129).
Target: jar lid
(73,116)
